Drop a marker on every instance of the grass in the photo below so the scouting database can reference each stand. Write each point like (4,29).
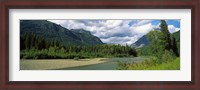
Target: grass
(170,65)
(173,65)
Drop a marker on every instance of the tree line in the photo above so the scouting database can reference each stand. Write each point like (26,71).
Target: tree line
(36,47)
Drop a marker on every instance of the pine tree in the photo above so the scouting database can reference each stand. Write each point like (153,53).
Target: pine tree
(22,43)
(166,35)
(174,46)
(32,42)
(27,41)
(36,42)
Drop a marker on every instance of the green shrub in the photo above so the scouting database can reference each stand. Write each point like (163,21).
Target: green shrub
(150,65)
(150,62)
(168,56)
(123,65)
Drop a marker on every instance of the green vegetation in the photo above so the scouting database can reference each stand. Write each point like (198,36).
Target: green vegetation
(176,35)
(162,51)
(80,52)
(172,65)
(33,47)
(151,64)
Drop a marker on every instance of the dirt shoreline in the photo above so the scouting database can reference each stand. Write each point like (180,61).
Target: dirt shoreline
(71,64)
(40,64)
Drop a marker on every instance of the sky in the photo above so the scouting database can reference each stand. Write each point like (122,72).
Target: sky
(118,31)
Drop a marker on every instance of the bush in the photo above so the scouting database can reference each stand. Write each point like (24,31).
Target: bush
(168,56)
(151,61)
(150,64)
(123,65)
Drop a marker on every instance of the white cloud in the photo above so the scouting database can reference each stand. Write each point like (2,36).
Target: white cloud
(142,22)
(110,31)
(120,40)
(112,23)
(114,31)
(142,29)
(172,28)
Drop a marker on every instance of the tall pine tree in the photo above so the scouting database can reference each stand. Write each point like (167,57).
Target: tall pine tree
(174,46)
(166,35)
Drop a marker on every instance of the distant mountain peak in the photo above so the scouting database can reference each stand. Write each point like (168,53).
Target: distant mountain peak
(81,31)
(141,42)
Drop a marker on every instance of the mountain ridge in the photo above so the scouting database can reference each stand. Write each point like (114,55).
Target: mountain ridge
(141,42)
(51,31)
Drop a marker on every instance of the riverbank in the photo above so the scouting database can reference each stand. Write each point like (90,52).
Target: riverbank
(71,64)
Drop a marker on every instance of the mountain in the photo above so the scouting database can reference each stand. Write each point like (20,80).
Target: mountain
(86,37)
(141,42)
(51,31)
